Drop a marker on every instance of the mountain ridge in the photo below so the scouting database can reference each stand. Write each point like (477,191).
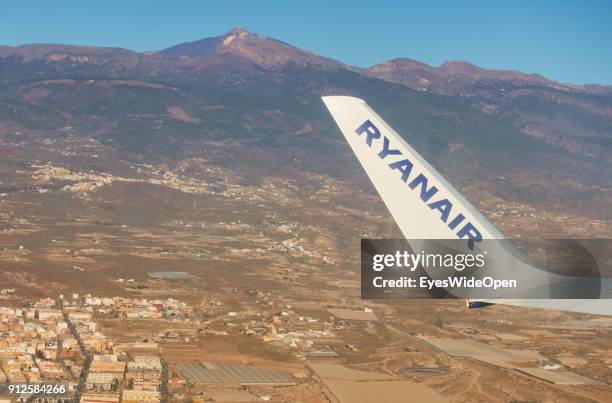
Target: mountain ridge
(208,46)
(253,103)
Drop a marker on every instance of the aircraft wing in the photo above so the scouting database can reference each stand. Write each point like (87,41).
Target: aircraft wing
(592,306)
(422,202)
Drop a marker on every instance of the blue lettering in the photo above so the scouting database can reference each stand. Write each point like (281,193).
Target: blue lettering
(443,206)
(386,150)
(471,233)
(425,193)
(372,131)
(404,166)
(456,221)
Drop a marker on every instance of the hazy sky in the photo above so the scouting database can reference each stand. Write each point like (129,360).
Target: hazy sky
(569,41)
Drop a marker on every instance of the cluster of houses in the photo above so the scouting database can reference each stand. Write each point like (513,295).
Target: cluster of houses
(132,308)
(37,346)
(58,341)
(111,379)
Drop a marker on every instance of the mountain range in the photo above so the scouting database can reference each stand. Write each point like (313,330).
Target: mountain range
(252,104)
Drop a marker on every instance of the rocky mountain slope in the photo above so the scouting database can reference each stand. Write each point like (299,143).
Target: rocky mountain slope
(259,49)
(252,104)
(573,117)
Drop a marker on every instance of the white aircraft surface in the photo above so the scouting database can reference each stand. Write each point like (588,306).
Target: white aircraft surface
(426,206)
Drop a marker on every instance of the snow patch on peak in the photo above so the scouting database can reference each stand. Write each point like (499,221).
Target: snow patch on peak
(228,39)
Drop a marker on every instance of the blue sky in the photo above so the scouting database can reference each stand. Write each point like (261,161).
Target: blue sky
(569,41)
